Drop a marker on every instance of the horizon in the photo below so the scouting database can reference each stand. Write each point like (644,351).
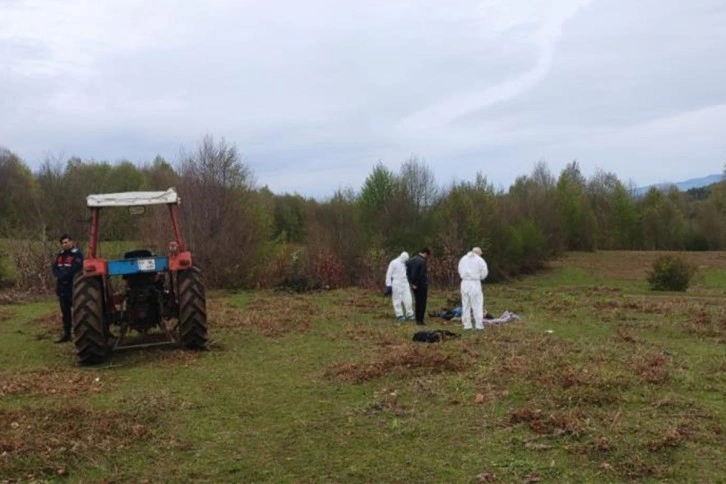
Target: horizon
(637,189)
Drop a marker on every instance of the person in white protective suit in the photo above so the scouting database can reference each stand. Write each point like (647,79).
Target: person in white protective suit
(401,293)
(472,270)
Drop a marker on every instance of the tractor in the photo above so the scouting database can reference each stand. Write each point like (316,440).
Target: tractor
(160,297)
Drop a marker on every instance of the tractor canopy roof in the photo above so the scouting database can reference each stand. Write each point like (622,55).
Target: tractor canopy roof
(129,199)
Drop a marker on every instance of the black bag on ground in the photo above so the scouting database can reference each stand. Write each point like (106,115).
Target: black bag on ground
(435,336)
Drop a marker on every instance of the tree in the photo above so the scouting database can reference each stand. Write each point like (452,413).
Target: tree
(226,219)
(535,198)
(574,209)
(290,217)
(335,230)
(459,218)
(19,197)
(709,218)
(64,192)
(663,221)
(418,183)
(159,175)
(376,204)
(625,225)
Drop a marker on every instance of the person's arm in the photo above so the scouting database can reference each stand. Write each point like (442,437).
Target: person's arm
(411,272)
(389,274)
(77,265)
(57,273)
(484,271)
(416,273)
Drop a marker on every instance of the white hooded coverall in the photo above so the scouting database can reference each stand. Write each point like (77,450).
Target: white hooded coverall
(472,269)
(396,278)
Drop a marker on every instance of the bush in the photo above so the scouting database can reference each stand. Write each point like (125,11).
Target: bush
(670,273)
(523,250)
(296,268)
(5,278)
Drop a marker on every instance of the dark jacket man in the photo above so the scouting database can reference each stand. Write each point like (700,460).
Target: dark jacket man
(417,274)
(68,262)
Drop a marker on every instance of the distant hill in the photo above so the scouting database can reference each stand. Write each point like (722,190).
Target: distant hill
(684,185)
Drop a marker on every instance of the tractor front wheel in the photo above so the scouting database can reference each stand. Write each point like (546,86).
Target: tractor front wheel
(90,333)
(192,309)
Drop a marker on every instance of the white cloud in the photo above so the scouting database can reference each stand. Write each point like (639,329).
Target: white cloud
(543,21)
(315,93)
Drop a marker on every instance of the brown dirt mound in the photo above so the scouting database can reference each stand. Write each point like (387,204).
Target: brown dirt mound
(176,357)
(56,438)
(402,360)
(650,367)
(363,300)
(269,316)
(561,422)
(66,382)
(373,336)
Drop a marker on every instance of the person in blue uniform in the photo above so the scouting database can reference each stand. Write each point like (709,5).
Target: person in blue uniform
(68,262)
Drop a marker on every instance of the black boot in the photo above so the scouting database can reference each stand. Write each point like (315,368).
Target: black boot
(64,338)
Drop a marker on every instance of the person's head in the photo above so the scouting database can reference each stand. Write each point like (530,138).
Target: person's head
(403,256)
(477,251)
(425,252)
(66,241)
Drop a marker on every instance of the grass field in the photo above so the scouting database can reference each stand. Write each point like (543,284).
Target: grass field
(601,381)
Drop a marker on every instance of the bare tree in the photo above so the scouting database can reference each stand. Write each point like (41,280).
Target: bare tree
(419,183)
(226,222)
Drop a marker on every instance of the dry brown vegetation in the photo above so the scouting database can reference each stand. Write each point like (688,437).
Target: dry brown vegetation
(404,360)
(273,315)
(47,440)
(62,383)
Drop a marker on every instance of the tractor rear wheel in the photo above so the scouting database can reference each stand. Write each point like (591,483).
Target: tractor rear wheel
(90,333)
(192,309)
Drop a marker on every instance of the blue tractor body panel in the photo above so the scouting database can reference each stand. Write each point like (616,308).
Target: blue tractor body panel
(140,265)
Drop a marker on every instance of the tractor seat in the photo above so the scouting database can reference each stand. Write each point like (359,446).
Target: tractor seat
(133,254)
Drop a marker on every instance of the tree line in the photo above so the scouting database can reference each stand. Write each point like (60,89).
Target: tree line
(246,236)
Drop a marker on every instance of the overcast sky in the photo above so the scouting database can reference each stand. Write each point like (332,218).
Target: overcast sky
(314,93)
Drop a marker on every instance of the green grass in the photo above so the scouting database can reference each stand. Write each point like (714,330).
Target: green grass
(713,278)
(603,381)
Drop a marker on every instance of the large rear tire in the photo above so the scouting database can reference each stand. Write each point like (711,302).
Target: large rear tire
(192,310)
(91,338)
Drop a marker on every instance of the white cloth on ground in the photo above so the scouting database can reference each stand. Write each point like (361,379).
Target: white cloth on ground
(506,317)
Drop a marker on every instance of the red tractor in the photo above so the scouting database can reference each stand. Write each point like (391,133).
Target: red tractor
(159,295)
